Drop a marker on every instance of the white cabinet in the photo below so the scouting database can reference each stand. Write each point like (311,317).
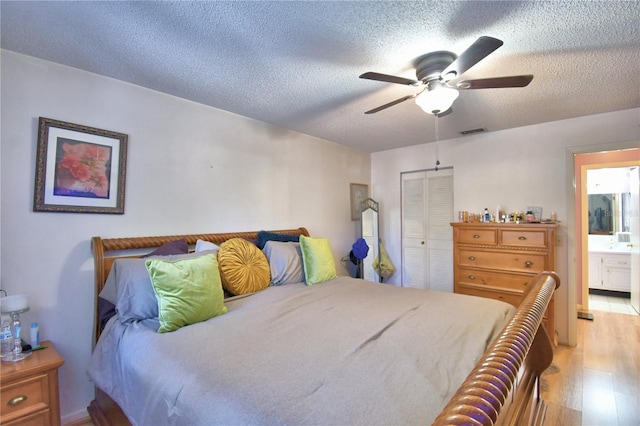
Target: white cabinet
(610,271)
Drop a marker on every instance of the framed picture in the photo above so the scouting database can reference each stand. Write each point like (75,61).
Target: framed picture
(79,169)
(359,193)
(537,212)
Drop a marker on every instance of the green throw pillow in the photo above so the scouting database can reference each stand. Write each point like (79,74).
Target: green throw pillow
(188,290)
(317,259)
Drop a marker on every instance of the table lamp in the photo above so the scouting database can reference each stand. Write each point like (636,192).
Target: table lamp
(14,306)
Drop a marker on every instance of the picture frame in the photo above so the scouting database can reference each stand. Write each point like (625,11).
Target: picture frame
(537,212)
(359,192)
(79,169)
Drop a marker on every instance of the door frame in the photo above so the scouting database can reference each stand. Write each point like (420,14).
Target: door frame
(577,251)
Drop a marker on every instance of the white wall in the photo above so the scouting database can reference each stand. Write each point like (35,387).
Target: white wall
(191,169)
(513,168)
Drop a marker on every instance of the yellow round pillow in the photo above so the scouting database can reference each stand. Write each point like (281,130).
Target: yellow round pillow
(243,267)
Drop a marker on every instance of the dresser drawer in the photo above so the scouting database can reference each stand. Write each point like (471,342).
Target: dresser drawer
(24,397)
(511,298)
(480,277)
(524,238)
(478,236)
(511,261)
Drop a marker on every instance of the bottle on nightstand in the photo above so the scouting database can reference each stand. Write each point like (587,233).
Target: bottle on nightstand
(5,337)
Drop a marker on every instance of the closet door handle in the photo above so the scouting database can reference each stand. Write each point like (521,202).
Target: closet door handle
(528,263)
(472,258)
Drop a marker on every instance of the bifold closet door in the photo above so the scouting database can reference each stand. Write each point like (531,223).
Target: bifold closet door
(427,238)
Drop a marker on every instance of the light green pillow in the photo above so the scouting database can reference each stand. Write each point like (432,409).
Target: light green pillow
(188,290)
(317,259)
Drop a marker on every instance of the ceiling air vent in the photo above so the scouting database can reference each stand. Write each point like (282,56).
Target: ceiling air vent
(473,131)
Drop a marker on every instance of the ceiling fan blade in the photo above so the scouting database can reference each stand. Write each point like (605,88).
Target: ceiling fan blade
(495,83)
(389,78)
(390,104)
(479,50)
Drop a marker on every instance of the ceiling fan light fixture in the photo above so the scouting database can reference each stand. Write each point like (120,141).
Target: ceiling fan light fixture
(437,100)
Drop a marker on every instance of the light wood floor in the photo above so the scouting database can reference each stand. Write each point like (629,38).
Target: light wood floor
(597,383)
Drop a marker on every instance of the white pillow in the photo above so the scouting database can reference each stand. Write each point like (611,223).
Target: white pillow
(285,262)
(202,245)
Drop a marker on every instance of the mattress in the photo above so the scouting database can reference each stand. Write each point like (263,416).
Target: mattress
(346,351)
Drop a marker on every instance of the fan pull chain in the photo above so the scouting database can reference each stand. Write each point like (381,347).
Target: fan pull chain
(437,137)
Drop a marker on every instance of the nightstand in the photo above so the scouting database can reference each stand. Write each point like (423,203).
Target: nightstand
(29,389)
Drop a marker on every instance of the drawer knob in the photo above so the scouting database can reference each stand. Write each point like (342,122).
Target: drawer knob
(472,258)
(522,238)
(476,236)
(472,277)
(526,284)
(17,400)
(528,263)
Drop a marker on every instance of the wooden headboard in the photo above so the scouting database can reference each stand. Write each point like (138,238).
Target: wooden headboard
(124,247)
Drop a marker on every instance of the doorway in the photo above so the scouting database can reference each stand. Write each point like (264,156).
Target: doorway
(585,163)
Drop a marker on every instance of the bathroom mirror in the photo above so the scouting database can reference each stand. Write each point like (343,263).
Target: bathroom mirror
(370,233)
(609,213)
(609,200)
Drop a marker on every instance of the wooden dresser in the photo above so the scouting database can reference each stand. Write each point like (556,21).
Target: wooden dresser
(498,260)
(29,389)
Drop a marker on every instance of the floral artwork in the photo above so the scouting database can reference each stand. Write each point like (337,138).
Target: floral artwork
(79,169)
(82,169)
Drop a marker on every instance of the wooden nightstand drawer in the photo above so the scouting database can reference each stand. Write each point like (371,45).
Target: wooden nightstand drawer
(29,389)
(524,238)
(41,418)
(508,261)
(493,279)
(478,236)
(25,397)
(511,298)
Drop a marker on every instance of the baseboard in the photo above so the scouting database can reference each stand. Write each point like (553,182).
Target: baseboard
(77,418)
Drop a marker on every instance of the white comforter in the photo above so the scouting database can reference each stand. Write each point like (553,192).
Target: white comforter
(346,351)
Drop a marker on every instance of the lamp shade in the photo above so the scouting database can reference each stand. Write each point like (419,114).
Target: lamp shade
(437,100)
(15,303)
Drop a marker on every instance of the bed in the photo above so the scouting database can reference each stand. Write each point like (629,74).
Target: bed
(341,351)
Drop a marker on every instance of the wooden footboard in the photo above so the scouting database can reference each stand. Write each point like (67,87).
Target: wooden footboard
(503,388)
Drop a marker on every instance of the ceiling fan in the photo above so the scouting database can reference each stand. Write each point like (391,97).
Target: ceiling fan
(435,70)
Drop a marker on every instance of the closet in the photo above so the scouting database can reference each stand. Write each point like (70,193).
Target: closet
(427,240)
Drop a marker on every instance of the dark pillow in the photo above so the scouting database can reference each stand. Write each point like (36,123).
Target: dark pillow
(173,247)
(106,310)
(264,236)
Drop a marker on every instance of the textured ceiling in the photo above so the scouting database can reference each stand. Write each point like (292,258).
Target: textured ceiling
(296,64)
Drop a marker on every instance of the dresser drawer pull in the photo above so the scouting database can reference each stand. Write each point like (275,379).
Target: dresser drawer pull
(472,258)
(528,263)
(522,238)
(17,400)
(472,277)
(476,236)
(526,284)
